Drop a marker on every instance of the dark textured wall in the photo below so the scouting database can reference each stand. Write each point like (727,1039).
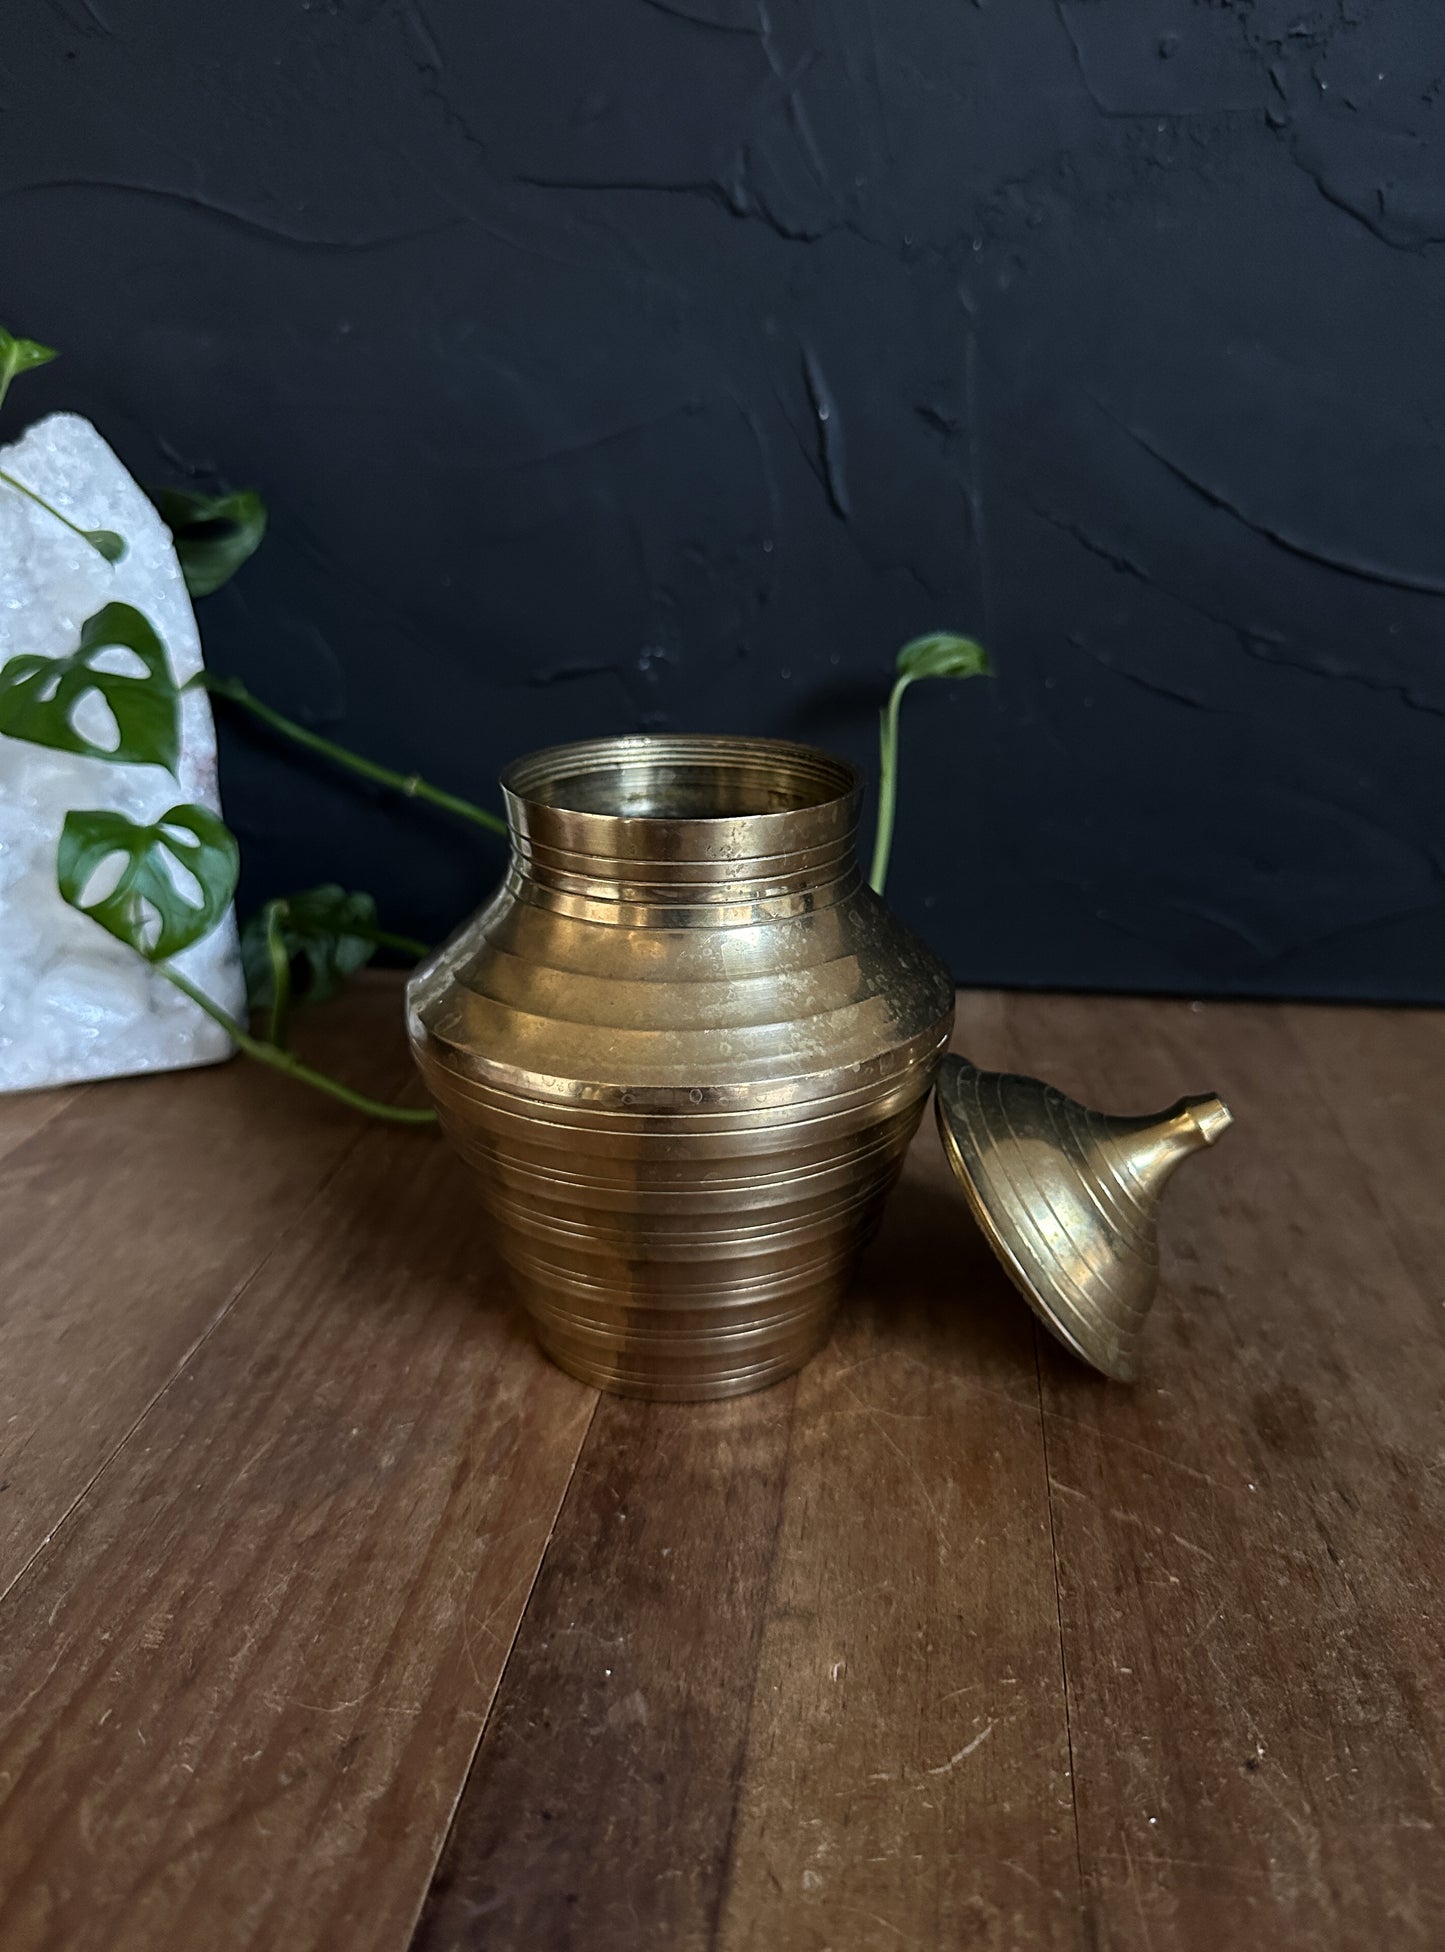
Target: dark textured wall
(616,364)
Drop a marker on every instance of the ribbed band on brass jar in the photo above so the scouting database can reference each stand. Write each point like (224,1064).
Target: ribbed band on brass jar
(685,1048)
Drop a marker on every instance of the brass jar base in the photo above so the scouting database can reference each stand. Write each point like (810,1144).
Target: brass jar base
(685,1049)
(621,1374)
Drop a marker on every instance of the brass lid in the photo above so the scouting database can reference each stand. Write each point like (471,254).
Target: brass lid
(1069,1199)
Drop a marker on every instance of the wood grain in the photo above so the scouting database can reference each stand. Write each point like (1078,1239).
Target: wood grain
(1380,1074)
(1250,1543)
(24,1113)
(601,1804)
(241,1689)
(130,1221)
(946,1643)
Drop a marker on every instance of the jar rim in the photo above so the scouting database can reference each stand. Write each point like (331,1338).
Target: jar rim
(664,778)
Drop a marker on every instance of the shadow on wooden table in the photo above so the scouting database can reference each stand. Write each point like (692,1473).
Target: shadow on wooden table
(930,1287)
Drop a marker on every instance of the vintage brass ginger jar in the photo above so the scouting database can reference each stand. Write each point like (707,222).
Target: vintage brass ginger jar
(685,1048)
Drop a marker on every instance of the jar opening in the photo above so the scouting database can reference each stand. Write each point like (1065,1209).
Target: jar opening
(665,778)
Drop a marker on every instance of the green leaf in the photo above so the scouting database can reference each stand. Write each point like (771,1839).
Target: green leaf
(213,534)
(942,655)
(19,356)
(148,906)
(40,696)
(331,933)
(105,542)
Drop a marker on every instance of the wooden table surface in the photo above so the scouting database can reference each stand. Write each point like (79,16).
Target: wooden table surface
(335,1617)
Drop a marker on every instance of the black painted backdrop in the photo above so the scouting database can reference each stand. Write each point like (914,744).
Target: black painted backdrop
(616,364)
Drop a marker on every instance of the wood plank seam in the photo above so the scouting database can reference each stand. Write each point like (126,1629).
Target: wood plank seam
(185,1362)
(724,1882)
(265,1934)
(600,1804)
(464,1776)
(1059,1612)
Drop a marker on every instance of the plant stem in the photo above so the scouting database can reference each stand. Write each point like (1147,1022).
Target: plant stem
(280,974)
(50,509)
(410,784)
(405,945)
(887,786)
(280,1060)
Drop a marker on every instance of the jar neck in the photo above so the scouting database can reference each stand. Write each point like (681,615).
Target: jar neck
(675,831)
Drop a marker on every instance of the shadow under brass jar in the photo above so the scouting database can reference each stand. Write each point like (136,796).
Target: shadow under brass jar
(685,1048)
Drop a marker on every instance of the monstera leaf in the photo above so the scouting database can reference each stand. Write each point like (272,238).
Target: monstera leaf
(175,878)
(331,933)
(39,696)
(213,534)
(19,356)
(942,655)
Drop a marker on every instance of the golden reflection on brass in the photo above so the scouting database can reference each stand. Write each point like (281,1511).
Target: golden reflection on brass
(685,1049)
(1069,1199)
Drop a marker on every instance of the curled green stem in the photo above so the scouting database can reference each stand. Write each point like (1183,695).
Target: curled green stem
(410,784)
(281,1060)
(280,974)
(887,786)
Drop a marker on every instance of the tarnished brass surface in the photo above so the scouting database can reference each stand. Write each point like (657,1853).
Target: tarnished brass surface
(1069,1199)
(685,1048)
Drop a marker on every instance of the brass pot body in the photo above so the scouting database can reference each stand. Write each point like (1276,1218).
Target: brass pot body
(685,1048)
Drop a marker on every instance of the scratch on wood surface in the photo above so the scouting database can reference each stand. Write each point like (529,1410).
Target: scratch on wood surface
(1111,1438)
(1123,1517)
(1190,1546)
(878,1919)
(1216,1867)
(603,1640)
(958,1386)
(1307,1833)
(279,1701)
(907,1464)
(942,1768)
(1049,1890)
(1138,1895)
(16,1710)
(467,1641)
(484,1625)
(1216,1615)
